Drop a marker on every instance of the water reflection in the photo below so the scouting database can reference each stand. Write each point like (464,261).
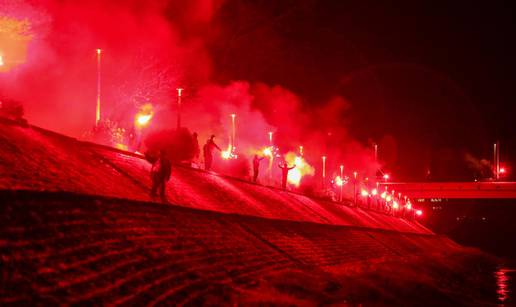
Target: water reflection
(504,282)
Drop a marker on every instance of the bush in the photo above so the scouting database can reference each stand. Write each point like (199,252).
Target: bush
(11,109)
(179,145)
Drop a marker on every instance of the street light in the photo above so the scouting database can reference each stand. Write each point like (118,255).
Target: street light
(323,169)
(179,94)
(233,131)
(271,158)
(97,111)
(386,177)
(355,174)
(341,176)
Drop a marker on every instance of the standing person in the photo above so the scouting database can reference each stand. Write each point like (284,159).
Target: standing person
(160,174)
(197,150)
(256,167)
(208,152)
(284,172)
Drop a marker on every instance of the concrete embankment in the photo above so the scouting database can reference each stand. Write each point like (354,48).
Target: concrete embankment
(77,226)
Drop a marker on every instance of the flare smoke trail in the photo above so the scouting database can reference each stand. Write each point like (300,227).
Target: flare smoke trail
(148,50)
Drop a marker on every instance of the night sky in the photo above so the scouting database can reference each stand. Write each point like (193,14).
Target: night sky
(429,81)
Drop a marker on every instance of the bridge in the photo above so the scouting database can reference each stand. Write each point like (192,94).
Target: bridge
(458,190)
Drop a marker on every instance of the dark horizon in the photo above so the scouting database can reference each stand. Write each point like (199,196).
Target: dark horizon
(437,77)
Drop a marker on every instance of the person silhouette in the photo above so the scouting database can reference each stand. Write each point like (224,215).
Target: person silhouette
(256,166)
(160,174)
(208,152)
(284,172)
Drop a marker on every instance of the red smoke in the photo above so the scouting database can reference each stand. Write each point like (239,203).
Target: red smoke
(150,48)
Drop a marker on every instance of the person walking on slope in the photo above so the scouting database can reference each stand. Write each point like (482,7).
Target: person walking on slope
(208,152)
(197,151)
(256,167)
(284,171)
(160,174)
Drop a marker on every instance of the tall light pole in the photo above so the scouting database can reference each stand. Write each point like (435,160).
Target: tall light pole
(97,113)
(271,159)
(376,153)
(376,160)
(232,132)
(342,180)
(323,170)
(355,174)
(179,93)
(496,160)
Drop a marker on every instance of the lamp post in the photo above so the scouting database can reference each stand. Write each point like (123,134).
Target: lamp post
(342,179)
(97,111)
(323,170)
(496,160)
(355,188)
(233,132)
(376,153)
(179,94)
(271,159)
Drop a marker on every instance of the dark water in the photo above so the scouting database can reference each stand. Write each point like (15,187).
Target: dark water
(489,225)
(505,285)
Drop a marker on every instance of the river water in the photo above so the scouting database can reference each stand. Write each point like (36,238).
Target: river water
(487,224)
(505,285)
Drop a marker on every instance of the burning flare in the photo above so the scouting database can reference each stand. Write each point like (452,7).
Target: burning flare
(229,153)
(15,36)
(143,116)
(302,168)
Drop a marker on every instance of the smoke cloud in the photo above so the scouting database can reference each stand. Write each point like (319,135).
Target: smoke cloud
(149,49)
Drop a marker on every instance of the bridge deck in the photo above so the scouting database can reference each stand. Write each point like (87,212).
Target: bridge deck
(465,190)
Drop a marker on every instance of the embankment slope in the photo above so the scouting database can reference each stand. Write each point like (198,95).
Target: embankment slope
(77,226)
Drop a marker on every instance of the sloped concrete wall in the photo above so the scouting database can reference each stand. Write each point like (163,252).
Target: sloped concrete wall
(35,159)
(60,248)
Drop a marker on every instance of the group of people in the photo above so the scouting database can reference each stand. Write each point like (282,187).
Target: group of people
(162,168)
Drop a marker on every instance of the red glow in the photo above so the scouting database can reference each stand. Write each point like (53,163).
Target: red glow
(383,195)
(364,193)
(302,168)
(15,36)
(502,170)
(419,212)
(395,205)
(267,151)
(386,177)
(144,116)
(156,68)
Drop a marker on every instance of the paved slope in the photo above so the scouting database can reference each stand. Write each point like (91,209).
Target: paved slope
(76,226)
(35,159)
(63,248)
